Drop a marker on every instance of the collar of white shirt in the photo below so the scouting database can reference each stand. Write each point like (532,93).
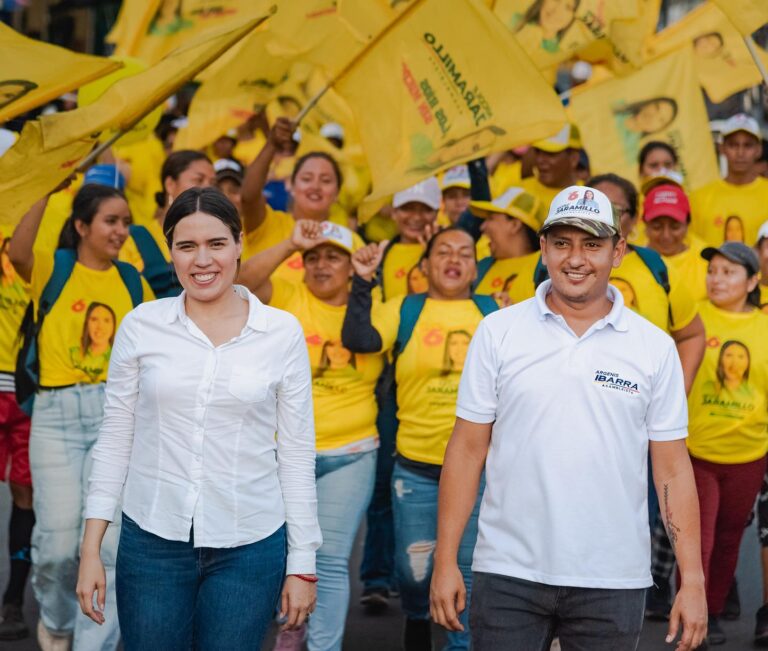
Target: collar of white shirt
(257,318)
(616,317)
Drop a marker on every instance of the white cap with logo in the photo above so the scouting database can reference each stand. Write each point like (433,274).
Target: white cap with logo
(337,235)
(584,208)
(426,192)
(741,122)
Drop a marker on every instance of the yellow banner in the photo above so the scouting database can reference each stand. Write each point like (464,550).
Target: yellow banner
(130,98)
(27,172)
(747,15)
(443,87)
(723,62)
(663,101)
(33,73)
(551,31)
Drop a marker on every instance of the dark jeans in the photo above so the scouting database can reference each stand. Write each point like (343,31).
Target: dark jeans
(175,597)
(509,613)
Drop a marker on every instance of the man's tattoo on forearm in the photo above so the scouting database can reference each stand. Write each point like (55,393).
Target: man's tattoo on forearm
(673,531)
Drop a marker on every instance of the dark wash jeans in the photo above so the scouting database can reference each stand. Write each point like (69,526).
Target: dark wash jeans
(172,596)
(509,613)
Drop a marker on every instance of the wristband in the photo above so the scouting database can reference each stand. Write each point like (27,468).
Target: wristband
(309,578)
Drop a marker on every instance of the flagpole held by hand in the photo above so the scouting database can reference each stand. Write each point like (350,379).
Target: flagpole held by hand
(758,61)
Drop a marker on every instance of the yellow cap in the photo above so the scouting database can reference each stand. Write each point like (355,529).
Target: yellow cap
(568,137)
(516,203)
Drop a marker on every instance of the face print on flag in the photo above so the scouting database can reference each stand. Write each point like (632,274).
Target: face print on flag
(14,89)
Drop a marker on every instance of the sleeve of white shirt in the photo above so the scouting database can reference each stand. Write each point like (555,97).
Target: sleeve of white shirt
(478,393)
(296,458)
(667,416)
(112,451)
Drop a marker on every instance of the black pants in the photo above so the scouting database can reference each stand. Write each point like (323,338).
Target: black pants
(509,613)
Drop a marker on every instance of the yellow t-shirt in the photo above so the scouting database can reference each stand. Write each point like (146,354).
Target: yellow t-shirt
(728,405)
(56,213)
(14,297)
(505,176)
(343,383)
(146,159)
(76,339)
(691,268)
(764,298)
(543,192)
(400,273)
(722,211)
(504,273)
(247,150)
(130,252)
(428,373)
(638,286)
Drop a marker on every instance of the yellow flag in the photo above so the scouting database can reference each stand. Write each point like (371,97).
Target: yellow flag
(663,101)
(33,73)
(130,98)
(443,87)
(552,32)
(27,172)
(747,15)
(723,62)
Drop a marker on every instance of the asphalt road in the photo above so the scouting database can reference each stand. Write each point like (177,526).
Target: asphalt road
(382,632)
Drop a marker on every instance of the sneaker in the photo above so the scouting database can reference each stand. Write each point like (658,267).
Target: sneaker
(50,642)
(658,602)
(715,634)
(12,626)
(732,608)
(417,635)
(375,600)
(761,627)
(291,640)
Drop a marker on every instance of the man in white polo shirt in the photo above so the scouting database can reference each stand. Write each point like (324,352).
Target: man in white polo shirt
(560,398)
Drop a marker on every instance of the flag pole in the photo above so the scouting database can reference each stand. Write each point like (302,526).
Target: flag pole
(752,47)
(312,102)
(98,151)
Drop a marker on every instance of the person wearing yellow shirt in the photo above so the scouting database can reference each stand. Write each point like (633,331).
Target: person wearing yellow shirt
(141,163)
(728,422)
(427,372)
(315,183)
(657,163)
(511,222)
(454,186)
(732,209)
(762,252)
(343,386)
(667,214)
(555,162)
(14,448)
(74,345)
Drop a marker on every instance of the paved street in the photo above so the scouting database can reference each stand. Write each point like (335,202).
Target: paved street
(382,633)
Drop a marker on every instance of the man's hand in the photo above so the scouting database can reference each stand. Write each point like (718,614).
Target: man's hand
(690,610)
(281,134)
(366,261)
(307,233)
(447,596)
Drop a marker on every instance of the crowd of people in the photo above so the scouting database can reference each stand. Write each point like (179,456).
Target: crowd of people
(146,446)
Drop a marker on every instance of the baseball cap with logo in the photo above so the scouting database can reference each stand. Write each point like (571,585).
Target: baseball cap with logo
(569,137)
(666,201)
(663,176)
(515,202)
(105,174)
(226,168)
(426,192)
(741,122)
(737,252)
(762,233)
(584,208)
(336,235)
(455,177)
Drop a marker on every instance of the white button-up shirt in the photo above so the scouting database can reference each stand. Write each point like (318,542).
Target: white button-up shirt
(190,431)
(566,474)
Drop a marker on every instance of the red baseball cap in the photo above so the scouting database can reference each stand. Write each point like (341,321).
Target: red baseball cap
(666,201)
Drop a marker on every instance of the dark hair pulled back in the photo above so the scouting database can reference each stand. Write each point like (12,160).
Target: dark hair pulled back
(205,200)
(318,154)
(84,208)
(174,166)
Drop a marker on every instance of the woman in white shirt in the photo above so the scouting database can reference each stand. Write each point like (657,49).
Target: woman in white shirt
(218,513)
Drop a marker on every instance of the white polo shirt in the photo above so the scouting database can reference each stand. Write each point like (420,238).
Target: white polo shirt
(566,494)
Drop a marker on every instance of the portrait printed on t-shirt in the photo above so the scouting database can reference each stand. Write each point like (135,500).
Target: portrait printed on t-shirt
(417,281)
(91,355)
(336,361)
(455,351)
(734,229)
(627,292)
(730,393)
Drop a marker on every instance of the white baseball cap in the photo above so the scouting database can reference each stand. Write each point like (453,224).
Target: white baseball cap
(741,122)
(762,233)
(336,235)
(455,177)
(332,130)
(584,208)
(427,192)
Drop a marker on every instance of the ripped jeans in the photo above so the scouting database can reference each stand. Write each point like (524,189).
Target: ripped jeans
(414,504)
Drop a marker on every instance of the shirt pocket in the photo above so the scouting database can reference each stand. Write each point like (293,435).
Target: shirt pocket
(245,386)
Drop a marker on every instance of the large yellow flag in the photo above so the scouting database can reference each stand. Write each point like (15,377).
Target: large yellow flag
(33,73)
(723,62)
(443,87)
(552,32)
(130,98)
(27,172)
(747,15)
(663,101)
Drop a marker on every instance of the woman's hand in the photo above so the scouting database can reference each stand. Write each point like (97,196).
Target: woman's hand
(92,578)
(307,233)
(281,134)
(298,601)
(366,261)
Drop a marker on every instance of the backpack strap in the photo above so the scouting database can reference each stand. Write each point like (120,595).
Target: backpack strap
(540,273)
(410,311)
(132,280)
(485,303)
(655,264)
(148,249)
(483,267)
(63,264)
(380,270)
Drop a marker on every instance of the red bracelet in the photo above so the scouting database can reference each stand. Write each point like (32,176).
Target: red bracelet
(309,578)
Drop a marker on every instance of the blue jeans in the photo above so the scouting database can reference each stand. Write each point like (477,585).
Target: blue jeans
(65,425)
(510,613)
(176,597)
(414,500)
(344,486)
